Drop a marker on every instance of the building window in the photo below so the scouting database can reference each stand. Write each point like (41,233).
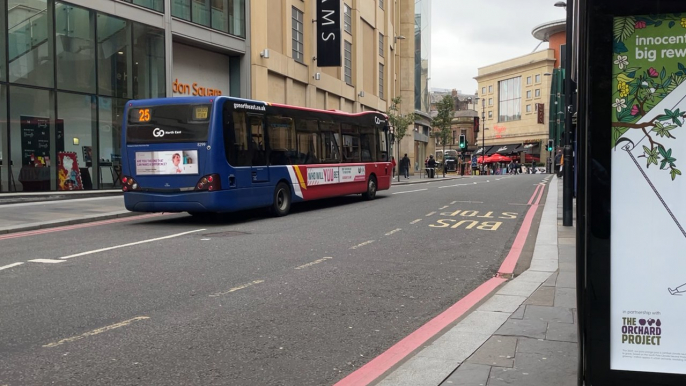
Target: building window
(510,100)
(528,80)
(298,35)
(157,5)
(528,108)
(348,63)
(483,90)
(381,67)
(490,101)
(222,15)
(538,92)
(538,78)
(490,89)
(490,115)
(381,4)
(347,19)
(528,94)
(75,67)
(381,44)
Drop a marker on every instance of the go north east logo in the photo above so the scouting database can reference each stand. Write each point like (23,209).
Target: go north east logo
(647,332)
(248,106)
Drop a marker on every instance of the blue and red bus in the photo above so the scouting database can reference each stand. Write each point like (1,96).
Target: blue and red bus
(220,154)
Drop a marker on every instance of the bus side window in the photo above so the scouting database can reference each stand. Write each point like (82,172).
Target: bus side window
(236,141)
(368,144)
(259,153)
(281,140)
(330,151)
(350,146)
(308,141)
(383,145)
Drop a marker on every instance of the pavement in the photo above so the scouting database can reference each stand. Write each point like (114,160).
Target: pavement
(525,334)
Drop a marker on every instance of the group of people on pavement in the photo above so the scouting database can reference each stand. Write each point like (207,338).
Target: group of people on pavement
(404,166)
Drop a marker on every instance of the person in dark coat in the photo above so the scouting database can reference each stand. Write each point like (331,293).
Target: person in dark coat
(405,166)
(432,166)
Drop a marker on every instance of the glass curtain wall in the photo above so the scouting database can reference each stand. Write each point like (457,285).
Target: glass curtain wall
(156,5)
(114,56)
(30,42)
(75,48)
(422,41)
(76,118)
(4,155)
(148,62)
(111,113)
(222,15)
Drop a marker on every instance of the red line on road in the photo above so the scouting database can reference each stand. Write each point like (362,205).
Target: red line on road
(508,265)
(77,226)
(534,195)
(379,365)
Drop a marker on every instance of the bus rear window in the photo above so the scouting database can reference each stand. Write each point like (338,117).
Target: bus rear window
(168,124)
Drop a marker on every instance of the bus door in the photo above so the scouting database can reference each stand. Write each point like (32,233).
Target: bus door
(260,171)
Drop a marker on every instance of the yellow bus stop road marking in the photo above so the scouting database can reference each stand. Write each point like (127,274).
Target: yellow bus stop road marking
(96,331)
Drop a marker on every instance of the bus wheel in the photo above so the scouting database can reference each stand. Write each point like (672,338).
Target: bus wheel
(282,200)
(370,194)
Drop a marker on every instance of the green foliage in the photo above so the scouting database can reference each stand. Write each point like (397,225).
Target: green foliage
(443,119)
(624,27)
(398,121)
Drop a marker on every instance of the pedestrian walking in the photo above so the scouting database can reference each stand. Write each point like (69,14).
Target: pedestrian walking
(405,166)
(558,161)
(431,163)
(393,166)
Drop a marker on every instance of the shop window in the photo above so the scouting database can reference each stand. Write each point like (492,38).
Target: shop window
(4,155)
(111,113)
(148,62)
(75,48)
(29,38)
(114,56)
(155,5)
(76,115)
(297,27)
(35,140)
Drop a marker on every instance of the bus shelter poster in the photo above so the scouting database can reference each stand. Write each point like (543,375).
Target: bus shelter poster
(166,162)
(648,210)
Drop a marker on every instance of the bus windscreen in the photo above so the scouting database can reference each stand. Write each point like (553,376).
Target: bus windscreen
(168,124)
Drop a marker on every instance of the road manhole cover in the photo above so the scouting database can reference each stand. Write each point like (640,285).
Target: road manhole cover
(226,234)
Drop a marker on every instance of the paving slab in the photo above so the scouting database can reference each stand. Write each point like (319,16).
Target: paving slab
(534,276)
(551,280)
(562,332)
(497,351)
(549,314)
(544,296)
(565,297)
(519,314)
(426,371)
(534,370)
(546,348)
(566,279)
(502,303)
(519,288)
(527,328)
(544,265)
(468,374)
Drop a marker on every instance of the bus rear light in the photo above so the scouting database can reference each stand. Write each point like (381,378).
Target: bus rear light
(209,182)
(128,184)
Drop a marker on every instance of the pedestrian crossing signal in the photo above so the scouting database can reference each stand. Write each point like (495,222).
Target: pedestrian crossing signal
(463,141)
(550,145)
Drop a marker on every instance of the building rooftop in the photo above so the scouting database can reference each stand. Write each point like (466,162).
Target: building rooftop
(544,31)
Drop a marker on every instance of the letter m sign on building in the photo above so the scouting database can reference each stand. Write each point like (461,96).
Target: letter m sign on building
(329,33)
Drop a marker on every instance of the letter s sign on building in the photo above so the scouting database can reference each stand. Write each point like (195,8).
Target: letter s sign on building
(328,33)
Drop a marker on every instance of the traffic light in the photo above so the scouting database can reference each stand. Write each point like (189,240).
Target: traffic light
(551,144)
(463,141)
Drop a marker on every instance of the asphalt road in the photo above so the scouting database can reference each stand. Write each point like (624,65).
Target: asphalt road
(249,300)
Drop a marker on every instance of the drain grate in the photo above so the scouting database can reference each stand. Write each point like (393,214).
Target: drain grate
(226,234)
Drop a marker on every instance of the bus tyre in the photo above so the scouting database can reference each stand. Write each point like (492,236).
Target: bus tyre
(370,194)
(282,200)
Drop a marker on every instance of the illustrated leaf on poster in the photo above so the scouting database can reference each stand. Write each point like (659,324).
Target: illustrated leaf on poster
(617,133)
(651,156)
(624,27)
(663,73)
(619,47)
(681,67)
(674,173)
(672,23)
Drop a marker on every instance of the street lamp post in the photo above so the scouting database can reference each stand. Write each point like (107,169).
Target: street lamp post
(483,134)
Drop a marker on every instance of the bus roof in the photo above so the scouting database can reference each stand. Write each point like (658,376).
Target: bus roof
(194,100)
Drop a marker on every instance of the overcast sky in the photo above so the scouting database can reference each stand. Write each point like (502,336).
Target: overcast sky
(467,35)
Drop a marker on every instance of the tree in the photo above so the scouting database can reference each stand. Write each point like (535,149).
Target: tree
(443,121)
(399,122)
